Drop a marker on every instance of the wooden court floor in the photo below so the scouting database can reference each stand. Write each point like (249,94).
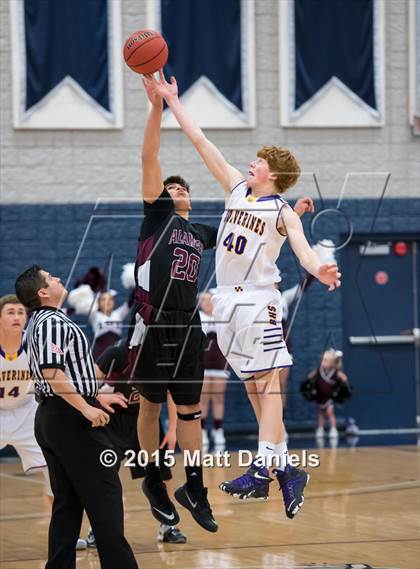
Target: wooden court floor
(362,506)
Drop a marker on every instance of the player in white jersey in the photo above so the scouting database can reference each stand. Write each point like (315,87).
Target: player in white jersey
(247,304)
(17,401)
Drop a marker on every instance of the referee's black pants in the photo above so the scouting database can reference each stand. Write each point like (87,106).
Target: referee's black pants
(78,480)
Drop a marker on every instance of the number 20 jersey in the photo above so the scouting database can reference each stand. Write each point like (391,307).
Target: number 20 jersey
(248,241)
(169,256)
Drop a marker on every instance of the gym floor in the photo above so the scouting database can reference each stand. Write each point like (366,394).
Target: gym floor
(362,507)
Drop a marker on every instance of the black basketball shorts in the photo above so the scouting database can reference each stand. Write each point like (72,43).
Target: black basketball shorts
(170,358)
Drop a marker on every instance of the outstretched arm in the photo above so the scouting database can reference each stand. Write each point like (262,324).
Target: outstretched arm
(151,182)
(328,273)
(225,174)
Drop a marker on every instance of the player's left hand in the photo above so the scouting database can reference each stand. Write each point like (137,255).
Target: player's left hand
(108,399)
(150,88)
(170,440)
(304,205)
(328,274)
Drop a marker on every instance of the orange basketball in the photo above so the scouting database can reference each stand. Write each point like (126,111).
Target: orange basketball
(145,51)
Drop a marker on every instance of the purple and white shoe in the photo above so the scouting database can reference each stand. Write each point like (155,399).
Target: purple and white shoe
(292,484)
(253,484)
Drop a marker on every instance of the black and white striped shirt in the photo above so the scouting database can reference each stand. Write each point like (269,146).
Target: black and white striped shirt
(54,341)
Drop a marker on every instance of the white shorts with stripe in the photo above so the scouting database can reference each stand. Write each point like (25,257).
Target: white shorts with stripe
(17,430)
(249,329)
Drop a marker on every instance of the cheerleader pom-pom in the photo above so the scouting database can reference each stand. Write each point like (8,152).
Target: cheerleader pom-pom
(325,250)
(81,299)
(127,276)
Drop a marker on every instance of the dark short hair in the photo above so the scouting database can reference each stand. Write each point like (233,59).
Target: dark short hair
(8,299)
(176,180)
(27,286)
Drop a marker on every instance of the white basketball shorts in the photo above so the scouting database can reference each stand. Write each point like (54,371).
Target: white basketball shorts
(17,430)
(249,330)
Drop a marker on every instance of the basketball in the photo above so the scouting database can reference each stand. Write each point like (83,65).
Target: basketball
(145,51)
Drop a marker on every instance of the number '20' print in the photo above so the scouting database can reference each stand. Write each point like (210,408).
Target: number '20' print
(185,266)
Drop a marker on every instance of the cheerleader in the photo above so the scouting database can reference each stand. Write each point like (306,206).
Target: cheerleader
(327,381)
(215,375)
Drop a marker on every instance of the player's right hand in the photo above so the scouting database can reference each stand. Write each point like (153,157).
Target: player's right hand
(96,416)
(329,275)
(164,89)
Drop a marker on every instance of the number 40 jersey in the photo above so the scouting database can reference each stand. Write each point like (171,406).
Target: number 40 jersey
(248,241)
(16,385)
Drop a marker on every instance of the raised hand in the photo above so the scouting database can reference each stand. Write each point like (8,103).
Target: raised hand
(166,90)
(150,88)
(328,274)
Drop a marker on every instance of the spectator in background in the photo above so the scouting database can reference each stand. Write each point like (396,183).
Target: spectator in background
(328,379)
(215,376)
(107,322)
(91,299)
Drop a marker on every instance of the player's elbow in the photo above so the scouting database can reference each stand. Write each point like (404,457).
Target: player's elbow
(199,139)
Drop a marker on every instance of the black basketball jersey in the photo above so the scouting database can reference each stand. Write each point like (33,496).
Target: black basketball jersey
(169,256)
(113,362)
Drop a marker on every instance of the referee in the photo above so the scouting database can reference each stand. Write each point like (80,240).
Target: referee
(69,429)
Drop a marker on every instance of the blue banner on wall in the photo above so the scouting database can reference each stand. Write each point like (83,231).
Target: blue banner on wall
(66,38)
(334,38)
(204,39)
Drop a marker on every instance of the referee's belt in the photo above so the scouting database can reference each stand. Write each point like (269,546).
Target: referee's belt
(42,398)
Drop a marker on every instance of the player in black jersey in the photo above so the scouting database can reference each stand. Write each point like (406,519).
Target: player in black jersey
(166,343)
(122,427)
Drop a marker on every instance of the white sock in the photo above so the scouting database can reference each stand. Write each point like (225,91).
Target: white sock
(281,455)
(265,451)
(165,527)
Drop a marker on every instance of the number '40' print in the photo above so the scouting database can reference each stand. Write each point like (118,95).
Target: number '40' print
(238,245)
(185,266)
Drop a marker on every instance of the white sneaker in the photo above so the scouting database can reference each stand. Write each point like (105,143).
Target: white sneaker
(205,437)
(333,442)
(320,432)
(81,544)
(333,434)
(218,436)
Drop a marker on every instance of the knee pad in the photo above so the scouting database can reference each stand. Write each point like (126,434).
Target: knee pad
(189,416)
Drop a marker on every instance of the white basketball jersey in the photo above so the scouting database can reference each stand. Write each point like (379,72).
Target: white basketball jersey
(16,385)
(248,242)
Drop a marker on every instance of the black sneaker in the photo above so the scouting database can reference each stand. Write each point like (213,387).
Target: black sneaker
(160,505)
(199,507)
(170,534)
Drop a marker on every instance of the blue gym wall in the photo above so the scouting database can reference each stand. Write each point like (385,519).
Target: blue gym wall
(53,236)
